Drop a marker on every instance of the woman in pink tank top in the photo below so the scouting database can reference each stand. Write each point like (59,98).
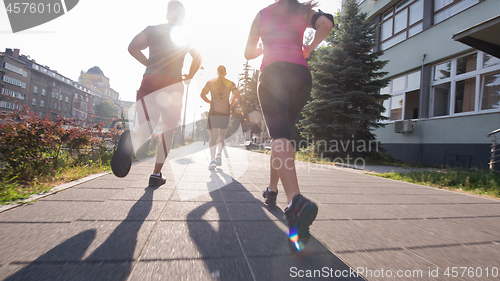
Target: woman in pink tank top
(284,87)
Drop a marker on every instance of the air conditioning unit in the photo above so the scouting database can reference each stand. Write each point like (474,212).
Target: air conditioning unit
(405,126)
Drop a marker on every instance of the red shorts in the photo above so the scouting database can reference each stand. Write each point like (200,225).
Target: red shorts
(159,95)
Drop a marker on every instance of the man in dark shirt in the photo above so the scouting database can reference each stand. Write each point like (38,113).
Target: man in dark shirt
(160,94)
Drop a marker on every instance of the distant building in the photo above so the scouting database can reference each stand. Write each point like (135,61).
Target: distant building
(23,81)
(445,95)
(95,79)
(14,82)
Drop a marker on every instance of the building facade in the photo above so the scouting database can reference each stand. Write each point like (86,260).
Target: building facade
(445,95)
(14,81)
(95,79)
(24,82)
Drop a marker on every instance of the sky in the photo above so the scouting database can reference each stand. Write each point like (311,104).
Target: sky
(97,33)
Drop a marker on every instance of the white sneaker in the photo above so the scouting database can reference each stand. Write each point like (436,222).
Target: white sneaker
(213,165)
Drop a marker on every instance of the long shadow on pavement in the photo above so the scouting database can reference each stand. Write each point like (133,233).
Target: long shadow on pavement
(245,225)
(112,260)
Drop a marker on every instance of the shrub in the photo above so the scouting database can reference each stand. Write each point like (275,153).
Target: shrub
(32,146)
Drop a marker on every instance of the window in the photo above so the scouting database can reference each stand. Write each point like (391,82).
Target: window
(12,93)
(15,69)
(61,97)
(42,103)
(491,92)
(466,84)
(442,100)
(465,95)
(76,96)
(54,93)
(489,60)
(401,21)
(44,92)
(67,99)
(35,89)
(14,81)
(444,9)
(442,71)
(466,64)
(405,97)
(33,102)
(58,107)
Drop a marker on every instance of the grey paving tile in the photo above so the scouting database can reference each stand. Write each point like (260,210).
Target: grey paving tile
(209,269)
(192,239)
(197,211)
(483,258)
(79,194)
(487,225)
(253,211)
(329,212)
(268,238)
(91,242)
(381,264)
(188,195)
(423,233)
(348,236)
(49,211)
(476,210)
(78,272)
(240,197)
(324,265)
(391,212)
(16,238)
(134,194)
(197,185)
(105,184)
(144,209)
(8,270)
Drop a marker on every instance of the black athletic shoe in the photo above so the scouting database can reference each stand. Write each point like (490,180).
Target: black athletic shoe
(270,197)
(218,160)
(300,216)
(122,158)
(155,181)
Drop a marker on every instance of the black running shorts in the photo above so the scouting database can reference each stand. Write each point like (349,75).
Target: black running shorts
(218,120)
(283,91)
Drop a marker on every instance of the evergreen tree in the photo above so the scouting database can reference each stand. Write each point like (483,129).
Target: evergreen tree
(346,102)
(247,107)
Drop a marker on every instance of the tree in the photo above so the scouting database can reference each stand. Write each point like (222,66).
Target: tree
(247,108)
(346,101)
(106,110)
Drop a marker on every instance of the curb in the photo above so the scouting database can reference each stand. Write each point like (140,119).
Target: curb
(54,190)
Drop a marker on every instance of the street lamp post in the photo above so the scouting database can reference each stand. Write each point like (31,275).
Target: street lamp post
(183,129)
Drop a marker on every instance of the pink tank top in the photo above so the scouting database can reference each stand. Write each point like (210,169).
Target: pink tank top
(282,37)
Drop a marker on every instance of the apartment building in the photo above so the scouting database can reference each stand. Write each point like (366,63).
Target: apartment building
(14,81)
(23,81)
(444,67)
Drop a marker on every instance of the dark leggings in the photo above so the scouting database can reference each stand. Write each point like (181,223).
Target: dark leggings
(283,90)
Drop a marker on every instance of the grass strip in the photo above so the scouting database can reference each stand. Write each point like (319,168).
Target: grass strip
(479,182)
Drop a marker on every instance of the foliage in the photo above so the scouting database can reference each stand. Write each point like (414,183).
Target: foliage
(346,103)
(474,181)
(247,109)
(35,148)
(106,110)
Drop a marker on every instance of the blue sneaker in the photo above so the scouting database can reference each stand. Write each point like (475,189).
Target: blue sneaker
(213,165)
(300,216)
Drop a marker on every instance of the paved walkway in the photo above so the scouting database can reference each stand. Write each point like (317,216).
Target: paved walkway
(215,226)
